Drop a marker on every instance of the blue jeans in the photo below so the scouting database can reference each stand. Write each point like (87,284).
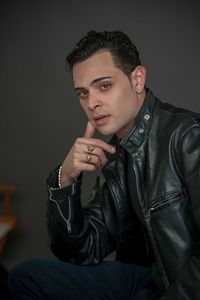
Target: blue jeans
(57,280)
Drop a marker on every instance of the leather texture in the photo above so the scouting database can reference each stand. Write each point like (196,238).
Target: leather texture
(147,199)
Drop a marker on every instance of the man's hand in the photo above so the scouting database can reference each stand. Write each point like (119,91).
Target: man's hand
(86,154)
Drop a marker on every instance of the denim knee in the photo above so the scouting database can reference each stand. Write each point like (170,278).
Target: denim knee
(19,277)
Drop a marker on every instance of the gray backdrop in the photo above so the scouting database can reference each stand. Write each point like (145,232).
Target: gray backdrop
(39,113)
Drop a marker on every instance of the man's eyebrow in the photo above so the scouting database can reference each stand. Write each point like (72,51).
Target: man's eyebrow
(94,81)
(99,79)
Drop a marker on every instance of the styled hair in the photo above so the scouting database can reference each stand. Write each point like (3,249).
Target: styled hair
(124,53)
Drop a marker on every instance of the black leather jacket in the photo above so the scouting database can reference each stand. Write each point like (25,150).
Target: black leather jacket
(163,166)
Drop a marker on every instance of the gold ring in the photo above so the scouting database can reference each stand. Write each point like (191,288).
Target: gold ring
(88,157)
(90,148)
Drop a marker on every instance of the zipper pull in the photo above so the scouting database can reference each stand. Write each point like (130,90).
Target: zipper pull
(69,227)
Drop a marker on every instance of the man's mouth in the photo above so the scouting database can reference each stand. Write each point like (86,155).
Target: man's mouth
(101,119)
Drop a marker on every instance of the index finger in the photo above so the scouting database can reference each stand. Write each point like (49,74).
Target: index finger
(90,130)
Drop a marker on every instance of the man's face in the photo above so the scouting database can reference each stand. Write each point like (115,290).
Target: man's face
(108,97)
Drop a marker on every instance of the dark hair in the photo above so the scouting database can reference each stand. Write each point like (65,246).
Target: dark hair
(124,53)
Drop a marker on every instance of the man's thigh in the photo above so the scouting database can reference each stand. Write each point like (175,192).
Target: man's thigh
(53,279)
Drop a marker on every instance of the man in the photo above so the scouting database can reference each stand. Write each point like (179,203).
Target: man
(145,204)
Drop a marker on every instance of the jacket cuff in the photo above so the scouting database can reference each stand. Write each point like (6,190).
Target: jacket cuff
(57,192)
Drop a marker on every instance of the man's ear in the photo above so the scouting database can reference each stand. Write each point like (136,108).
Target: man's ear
(138,79)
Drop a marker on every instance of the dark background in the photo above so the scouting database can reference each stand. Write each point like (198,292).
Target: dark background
(39,113)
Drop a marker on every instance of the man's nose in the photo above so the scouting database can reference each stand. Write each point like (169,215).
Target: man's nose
(93,101)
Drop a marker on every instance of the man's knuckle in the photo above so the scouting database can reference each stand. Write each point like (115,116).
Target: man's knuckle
(76,163)
(76,146)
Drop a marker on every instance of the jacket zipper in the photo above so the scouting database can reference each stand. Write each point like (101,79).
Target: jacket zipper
(66,220)
(155,205)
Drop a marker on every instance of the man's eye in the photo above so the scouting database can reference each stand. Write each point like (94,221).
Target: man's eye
(82,94)
(105,86)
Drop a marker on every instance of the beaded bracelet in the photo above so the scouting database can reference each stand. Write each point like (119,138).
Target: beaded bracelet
(59,175)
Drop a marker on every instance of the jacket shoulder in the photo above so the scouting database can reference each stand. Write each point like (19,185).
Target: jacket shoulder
(177,116)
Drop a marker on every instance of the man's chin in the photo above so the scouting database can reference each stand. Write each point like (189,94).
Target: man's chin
(104,131)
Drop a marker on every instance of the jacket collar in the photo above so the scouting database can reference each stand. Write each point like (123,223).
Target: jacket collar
(142,123)
(138,132)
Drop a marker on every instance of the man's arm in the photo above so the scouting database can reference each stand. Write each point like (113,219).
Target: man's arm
(187,283)
(76,234)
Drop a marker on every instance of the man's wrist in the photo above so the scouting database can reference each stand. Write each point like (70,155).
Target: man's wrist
(62,181)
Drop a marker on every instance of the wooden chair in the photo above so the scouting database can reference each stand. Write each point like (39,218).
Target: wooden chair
(8,222)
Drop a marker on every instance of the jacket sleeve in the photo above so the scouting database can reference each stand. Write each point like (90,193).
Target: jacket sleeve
(187,284)
(76,234)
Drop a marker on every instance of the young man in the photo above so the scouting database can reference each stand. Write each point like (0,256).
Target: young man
(145,204)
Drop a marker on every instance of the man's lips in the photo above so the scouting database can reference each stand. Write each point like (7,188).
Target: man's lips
(101,119)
